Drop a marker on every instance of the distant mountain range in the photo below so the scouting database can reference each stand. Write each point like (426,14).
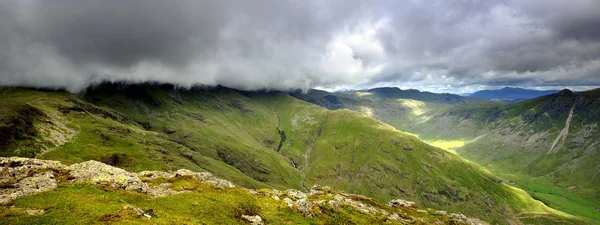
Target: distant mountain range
(394,92)
(509,94)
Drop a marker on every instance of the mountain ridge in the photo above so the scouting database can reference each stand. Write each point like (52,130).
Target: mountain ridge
(511,94)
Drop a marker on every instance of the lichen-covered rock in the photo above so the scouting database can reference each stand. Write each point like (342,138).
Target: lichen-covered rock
(205,177)
(288,201)
(295,194)
(254,220)
(303,207)
(401,203)
(155,174)
(100,173)
(14,169)
(162,190)
(39,182)
(35,212)
(318,190)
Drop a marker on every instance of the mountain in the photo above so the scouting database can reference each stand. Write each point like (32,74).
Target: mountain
(256,140)
(394,92)
(547,145)
(527,142)
(509,94)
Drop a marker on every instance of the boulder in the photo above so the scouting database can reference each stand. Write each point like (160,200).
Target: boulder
(254,220)
(102,174)
(304,207)
(401,203)
(205,177)
(39,182)
(13,169)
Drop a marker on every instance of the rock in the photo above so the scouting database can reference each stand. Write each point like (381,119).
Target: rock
(163,189)
(459,217)
(364,208)
(295,194)
(155,174)
(407,148)
(254,220)
(440,212)
(39,182)
(401,203)
(275,197)
(394,216)
(304,207)
(35,212)
(100,173)
(139,211)
(205,177)
(318,190)
(289,202)
(14,169)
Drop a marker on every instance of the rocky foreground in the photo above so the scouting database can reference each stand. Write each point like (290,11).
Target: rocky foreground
(21,177)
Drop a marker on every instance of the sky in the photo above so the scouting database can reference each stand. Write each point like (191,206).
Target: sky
(452,46)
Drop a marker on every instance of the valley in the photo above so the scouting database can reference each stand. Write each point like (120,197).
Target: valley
(257,140)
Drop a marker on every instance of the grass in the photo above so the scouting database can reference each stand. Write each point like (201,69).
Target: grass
(204,204)
(565,201)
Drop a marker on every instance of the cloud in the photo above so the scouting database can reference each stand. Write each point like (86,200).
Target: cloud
(300,44)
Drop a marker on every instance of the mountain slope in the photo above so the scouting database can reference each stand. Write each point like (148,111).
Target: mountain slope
(509,94)
(256,140)
(521,141)
(547,141)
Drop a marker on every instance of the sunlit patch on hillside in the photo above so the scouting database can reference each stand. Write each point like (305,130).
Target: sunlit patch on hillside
(448,145)
(417,107)
(367,111)
(363,94)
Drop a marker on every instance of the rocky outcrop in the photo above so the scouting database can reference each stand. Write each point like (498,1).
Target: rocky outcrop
(205,177)
(102,174)
(24,176)
(39,182)
(399,210)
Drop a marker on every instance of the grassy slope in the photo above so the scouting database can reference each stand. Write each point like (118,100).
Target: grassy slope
(510,140)
(235,135)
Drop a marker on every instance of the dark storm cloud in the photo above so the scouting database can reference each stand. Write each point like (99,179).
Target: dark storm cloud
(300,44)
(124,33)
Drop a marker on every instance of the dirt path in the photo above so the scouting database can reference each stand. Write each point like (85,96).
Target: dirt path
(564,132)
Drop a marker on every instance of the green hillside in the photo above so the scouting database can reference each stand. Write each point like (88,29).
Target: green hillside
(520,142)
(256,140)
